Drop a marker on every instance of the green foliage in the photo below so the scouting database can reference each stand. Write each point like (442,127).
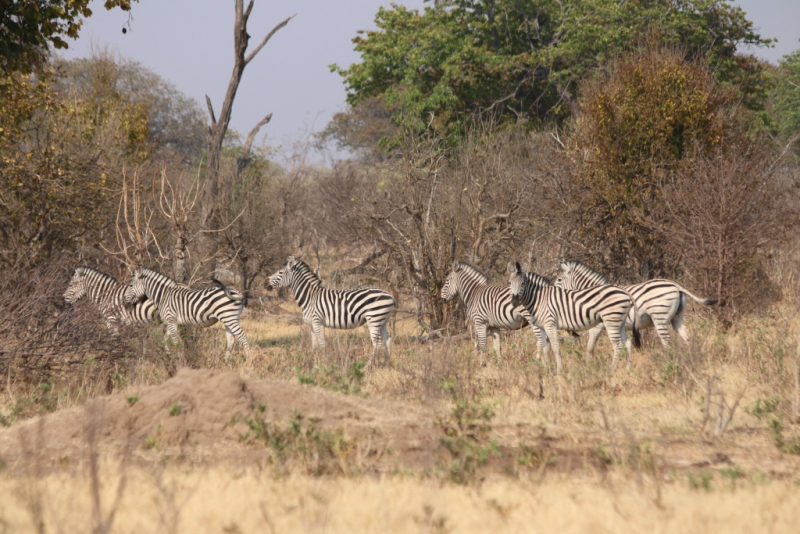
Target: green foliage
(701,480)
(174,410)
(467,438)
(763,407)
(133,399)
(524,59)
(786,96)
(788,446)
(347,381)
(319,452)
(28,27)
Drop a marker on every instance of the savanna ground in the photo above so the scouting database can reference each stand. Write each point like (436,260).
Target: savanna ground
(691,439)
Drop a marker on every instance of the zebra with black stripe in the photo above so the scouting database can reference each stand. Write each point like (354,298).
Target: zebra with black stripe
(108,295)
(660,303)
(489,307)
(553,308)
(331,308)
(179,305)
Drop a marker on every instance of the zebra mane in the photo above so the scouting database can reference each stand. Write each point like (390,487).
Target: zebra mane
(162,278)
(472,271)
(581,268)
(305,271)
(85,269)
(537,279)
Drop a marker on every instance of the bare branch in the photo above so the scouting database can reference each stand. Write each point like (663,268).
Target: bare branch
(211,111)
(257,49)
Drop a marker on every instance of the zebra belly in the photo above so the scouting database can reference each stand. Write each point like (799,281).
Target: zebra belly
(348,324)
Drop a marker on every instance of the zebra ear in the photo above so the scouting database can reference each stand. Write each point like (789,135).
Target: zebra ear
(519,268)
(564,267)
(511,268)
(456,266)
(291,261)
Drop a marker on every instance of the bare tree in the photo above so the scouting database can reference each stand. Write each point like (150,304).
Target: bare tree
(219,126)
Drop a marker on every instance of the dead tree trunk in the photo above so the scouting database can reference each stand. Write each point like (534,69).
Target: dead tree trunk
(209,214)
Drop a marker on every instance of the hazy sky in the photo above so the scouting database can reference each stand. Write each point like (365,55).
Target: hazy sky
(190,43)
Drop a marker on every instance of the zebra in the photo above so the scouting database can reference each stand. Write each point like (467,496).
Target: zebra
(180,305)
(489,307)
(553,308)
(660,303)
(108,295)
(336,309)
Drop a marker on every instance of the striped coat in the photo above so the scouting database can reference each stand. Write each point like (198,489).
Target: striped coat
(553,308)
(107,295)
(331,308)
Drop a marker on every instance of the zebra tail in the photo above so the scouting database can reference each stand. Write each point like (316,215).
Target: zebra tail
(636,339)
(231,293)
(707,302)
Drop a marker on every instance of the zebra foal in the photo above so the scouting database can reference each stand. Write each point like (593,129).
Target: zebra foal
(108,296)
(179,305)
(553,308)
(489,307)
(660,303)
(336,309)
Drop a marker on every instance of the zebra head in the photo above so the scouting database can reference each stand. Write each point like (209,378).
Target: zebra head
(450,287)
(283,278)
(76,289)
(516,281)
(137,289)
(566,276)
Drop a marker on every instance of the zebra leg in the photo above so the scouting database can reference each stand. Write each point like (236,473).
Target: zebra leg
(480,333)
(615,335)
(172,333)
(233,329)
(387,340)
(495,333)
(680,328)
(229,337)
(318,333)
(552,335)
(661,324)
(594,335)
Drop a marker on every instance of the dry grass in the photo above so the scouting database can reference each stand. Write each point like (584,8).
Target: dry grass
(586,450)
(178,499)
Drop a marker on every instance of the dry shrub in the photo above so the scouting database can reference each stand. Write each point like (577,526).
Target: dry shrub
(52,352)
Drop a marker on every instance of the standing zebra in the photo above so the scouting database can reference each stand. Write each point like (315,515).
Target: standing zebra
(660,303)
(553,308)
(108,295)
(488,307)
(179,305)
(336,309)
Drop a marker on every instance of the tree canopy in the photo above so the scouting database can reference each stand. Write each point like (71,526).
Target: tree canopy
(29,27)
(524,60)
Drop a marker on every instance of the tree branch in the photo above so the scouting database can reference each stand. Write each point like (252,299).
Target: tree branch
(211,111)
(257,49)
(249,141)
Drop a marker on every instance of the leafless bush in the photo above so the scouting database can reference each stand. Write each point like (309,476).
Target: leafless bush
(45,341)
(725,214)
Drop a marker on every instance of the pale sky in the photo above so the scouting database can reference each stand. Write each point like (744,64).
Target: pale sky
(190,43)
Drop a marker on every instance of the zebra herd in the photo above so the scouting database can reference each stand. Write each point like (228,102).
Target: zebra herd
(579,299)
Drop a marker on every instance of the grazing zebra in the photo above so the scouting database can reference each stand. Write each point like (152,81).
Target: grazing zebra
(336,309)
(108,295)
(488,307)
(660,303)
(553,308)
(180,305)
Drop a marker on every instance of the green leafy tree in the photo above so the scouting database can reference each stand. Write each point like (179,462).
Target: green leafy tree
(786,99)
(29,27)
(524,60)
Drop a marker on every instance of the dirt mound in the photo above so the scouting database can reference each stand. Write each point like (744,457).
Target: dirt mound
(205,412)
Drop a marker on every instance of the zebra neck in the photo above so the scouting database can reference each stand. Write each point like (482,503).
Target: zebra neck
(467,289)
(302,291)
